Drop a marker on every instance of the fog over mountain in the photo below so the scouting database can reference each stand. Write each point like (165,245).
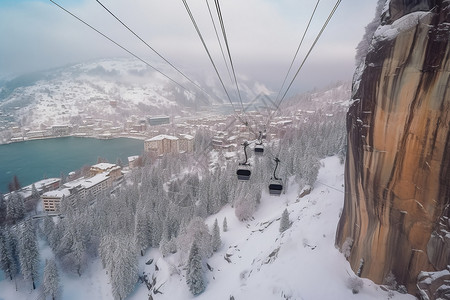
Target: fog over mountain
(263,36)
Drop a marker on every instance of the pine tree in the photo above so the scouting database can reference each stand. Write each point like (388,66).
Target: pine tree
(7,262)
(29,253)
(34,193)
(245,205)
(48,228)
(194,273)
(216,241)
(14,185)
(196,231)
(225,225)
(63,178)
(164,246)
(141,232)
(51,284)
(106,251)
(119,162)
(31,203)
(124,273)
(2,209)
(15,209)
(284,222)
(78,252)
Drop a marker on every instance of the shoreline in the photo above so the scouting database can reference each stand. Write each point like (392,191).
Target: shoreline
(123,135)
(62,154)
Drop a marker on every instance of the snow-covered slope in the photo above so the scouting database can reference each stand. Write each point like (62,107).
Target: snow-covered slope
(108,89)
(255,260)
(334,97)
(301,263)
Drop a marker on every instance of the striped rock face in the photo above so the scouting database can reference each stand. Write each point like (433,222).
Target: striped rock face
(397,180)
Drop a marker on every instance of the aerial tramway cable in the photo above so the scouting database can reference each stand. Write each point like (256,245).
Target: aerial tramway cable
(120,46)
(151,48)
(277,105)
(218,40)
(222,25)
(298,48)
(191,16)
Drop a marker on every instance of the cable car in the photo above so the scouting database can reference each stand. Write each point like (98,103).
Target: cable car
(276,184)
(243,172)
(259,148)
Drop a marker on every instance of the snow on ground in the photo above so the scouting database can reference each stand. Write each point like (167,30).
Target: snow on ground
(255,261)
(301,263)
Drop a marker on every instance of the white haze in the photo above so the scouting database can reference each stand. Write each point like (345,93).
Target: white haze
(263,36)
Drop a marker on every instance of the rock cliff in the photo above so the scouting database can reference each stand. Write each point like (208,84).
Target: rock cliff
(397,180)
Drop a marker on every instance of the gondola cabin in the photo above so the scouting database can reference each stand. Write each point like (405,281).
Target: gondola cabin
(243,173)
(276,184)
(259,150)
(275,187)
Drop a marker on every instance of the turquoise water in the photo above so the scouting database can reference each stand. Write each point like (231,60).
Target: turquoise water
(34,160)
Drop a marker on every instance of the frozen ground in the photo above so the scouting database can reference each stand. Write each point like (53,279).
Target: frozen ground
(255,260)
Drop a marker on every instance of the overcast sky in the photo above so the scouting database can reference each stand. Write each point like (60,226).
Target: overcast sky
(263,36)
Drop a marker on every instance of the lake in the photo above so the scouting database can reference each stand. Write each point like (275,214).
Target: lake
(34,160)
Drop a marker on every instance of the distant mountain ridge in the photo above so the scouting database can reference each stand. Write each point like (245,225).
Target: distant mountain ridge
(109,89)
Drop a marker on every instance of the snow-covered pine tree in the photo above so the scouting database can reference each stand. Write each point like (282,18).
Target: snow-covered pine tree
(225,225)
(284,221)
(197,232)
(2,209)
(29,253)
(164,245)
(34,193)
(57,235)
(48,227)
(106,251)
(214,203)
(77,255)
(66,207)
(67,231)
(7,262)
(124,274)
(141,232)
(156,229)
(216,241)
(245,205)
(51,284)
(15,208)
(194,273)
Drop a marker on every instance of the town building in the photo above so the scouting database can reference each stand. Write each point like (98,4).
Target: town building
(133,161)
(37,134)
(158,120)
(186,143)
(102,177)
(60,130)
(41,186)
(162,144)
(114,171)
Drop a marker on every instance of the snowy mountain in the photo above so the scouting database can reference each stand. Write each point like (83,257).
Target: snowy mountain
(254,261)
(109,89)
(334,97)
